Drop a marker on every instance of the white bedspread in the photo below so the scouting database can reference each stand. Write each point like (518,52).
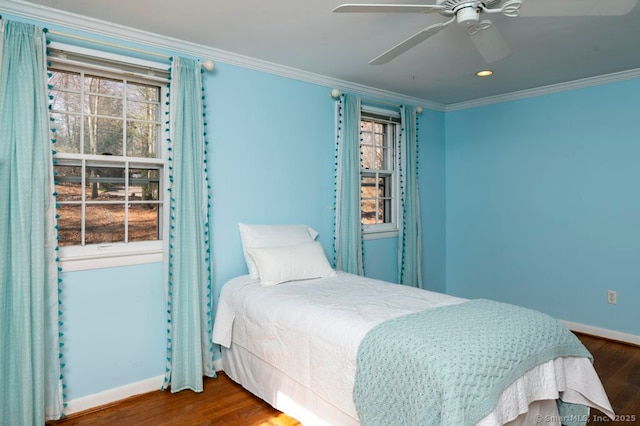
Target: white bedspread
(310,330)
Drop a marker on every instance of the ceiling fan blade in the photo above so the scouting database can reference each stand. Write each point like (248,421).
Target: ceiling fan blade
(412,41)
(489,41)
(576,7)
(387,8)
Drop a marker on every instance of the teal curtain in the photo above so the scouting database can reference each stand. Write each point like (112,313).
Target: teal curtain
(188,264)
(348,227)
(31,381)
(409,238)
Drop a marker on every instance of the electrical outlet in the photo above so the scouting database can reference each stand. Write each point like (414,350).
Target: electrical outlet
(612,297)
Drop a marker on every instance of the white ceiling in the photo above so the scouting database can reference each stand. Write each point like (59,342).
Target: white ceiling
(306,35)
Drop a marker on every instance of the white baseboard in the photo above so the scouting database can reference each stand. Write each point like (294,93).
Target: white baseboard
(111,395)
(603,332)
(115,394)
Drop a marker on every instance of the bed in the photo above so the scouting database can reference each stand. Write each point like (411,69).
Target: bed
(291,330)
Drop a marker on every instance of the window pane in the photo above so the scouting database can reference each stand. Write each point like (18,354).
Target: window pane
(366,139)
(143,92)
(65,101)
(368,187)
(142,111)
(142,139)
(143,222)
(382,185)
(384,190)
(69,224)
(386,209)
(384,212)
(67,132)
(379,139)
(379,127)
(105,86)
(65,80)
(144,184)
(368,197)
(104,223)
(103,136)
(69,183)
(366,157)
(376,199)
(368,212)
(366,126)
(103,105)
(380,158)
(105,183)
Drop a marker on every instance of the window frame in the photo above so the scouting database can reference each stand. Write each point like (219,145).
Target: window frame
(390,118)
(104,64)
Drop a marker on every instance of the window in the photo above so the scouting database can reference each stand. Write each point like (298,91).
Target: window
(109,161)
(378,181)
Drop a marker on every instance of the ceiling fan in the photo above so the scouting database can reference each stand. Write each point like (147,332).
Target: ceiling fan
(484,35)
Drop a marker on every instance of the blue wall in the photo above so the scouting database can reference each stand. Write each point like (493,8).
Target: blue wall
(380,259)
(114,327)
(542,204)
(272,153)
(432,179)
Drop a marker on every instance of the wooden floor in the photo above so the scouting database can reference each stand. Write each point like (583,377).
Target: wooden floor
(618,366)
(222,403)
(225,403)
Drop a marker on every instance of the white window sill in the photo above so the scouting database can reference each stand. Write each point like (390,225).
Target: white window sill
(109,256)
(379,235)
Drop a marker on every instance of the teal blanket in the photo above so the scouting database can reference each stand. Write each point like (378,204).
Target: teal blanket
(449,365)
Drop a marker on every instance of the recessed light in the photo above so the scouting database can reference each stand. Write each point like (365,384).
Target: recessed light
(484,73)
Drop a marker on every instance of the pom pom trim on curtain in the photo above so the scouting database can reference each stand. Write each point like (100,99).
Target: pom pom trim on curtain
(30,361)
(188,270)
(348,242)
(410,232)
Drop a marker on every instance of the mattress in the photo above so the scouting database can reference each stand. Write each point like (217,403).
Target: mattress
(295,345)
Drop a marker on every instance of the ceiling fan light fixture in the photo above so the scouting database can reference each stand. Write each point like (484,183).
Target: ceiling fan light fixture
(467,15)
(484,73)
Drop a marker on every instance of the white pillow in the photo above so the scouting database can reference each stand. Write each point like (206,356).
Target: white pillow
(301,262)
(259,236)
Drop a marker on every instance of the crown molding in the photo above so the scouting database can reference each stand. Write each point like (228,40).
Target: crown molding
(547,90)
(67,21)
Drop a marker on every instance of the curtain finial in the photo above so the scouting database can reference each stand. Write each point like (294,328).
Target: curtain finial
(208,65)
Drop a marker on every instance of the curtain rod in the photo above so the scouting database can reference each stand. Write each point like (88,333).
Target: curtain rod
(106,43)
(206,64)
(336,93)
